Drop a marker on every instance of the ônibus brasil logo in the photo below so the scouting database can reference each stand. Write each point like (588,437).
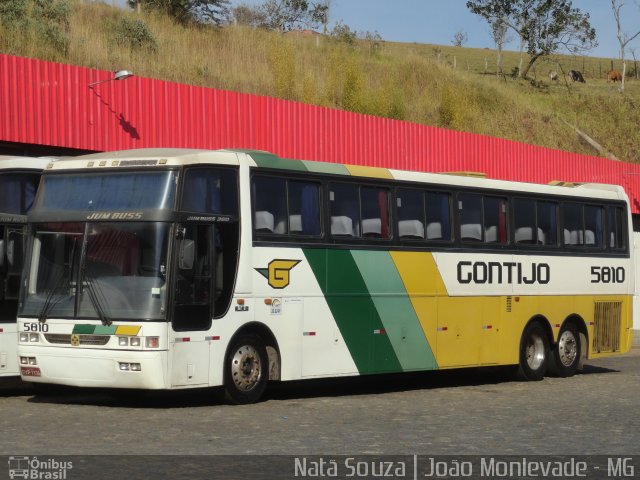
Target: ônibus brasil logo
(34,468)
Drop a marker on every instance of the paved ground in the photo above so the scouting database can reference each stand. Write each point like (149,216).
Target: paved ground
(464,412)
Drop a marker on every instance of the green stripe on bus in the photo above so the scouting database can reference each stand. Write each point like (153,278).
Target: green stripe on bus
(83,329)
(267,160)
(395,309)
(353,310)
(322,167)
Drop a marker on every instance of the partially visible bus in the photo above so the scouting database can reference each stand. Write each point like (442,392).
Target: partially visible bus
(19,177)
(168,269)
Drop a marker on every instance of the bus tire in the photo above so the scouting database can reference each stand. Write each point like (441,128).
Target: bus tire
(534,353)
(566,352)
(246,370)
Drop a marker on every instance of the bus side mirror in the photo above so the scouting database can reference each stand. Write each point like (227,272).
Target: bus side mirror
(2,252)
(186,255)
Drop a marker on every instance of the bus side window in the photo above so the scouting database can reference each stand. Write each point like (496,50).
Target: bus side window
(345,210)
(375,212)
(593,226)
(270,207)
(615,230)
(470,214)
(438,216)
(495,220)
(411,217)
(573,222)
(304,208)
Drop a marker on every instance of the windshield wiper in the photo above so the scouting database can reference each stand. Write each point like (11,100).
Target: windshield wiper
(95,294)
(60,282)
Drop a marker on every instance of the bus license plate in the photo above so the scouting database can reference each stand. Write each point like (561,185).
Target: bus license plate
(30,371)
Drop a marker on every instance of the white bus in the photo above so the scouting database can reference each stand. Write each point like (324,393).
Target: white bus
(19,177)
(167,269)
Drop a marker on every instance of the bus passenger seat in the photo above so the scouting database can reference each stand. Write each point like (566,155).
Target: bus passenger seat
(491,234)
(411,229)
(341,225)
(470,231)
(589,237)
(524,235)
(434,231)
(295,223)
(264,221)
(371,227)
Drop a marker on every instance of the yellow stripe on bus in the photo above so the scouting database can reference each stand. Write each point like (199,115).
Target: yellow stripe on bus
(128,330)
(374,172)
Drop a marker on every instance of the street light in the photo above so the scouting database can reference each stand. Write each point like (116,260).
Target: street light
(119,75)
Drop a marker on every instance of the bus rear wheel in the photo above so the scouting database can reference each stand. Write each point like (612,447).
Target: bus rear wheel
(566,354)
(534,353)
(246,370)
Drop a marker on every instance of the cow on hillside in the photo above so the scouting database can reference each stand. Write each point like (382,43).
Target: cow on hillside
(614,76)
(553,75)
(576,76)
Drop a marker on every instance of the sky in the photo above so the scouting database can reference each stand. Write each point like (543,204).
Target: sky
(437,21)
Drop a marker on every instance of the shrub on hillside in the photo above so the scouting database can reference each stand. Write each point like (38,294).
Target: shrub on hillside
(134,33)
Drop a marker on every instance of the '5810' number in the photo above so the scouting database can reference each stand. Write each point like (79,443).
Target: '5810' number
(607,275)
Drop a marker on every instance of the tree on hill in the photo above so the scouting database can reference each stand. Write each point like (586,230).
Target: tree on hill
(623,38)
(285,15)
(544,26)
(184,11)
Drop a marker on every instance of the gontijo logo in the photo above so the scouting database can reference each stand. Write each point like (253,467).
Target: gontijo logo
(277,272)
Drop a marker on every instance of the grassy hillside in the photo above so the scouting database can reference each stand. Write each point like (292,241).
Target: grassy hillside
(450,87)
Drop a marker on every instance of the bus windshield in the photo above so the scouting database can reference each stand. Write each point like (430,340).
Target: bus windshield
(121,268)
(107,191)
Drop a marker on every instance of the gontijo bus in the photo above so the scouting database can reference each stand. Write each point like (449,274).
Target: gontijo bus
(19,177)
(166,269)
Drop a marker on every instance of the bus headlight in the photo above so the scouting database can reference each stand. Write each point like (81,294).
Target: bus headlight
(123,341)
(152,342)
(34,337)
(24,337)
(134,341)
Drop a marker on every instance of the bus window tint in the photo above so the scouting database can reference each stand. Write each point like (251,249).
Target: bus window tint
(345,213)
(210,191)
(573,222)
(438,216)
(524,217)
(495,220)
(615,230)
(593,226)
(547,223)
(304,208)
(411,219)
(375,212)
(270,205)
(470,210)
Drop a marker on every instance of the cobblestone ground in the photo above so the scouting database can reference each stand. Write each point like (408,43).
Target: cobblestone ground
(461,412)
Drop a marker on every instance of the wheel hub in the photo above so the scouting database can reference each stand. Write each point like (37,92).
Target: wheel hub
(246,369)
(567,348)
(535,352)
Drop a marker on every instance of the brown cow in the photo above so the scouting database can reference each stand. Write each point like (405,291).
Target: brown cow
(614,76)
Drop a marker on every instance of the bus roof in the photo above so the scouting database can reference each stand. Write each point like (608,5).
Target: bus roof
(23,163)
(163,157)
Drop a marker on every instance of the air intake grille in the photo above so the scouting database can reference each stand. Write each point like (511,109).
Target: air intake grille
(606,329)
(508,304)
(62,339)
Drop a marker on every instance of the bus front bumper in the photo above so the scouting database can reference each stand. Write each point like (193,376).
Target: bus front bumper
(93,368)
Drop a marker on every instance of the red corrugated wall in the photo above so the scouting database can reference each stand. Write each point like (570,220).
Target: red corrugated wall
(48,103)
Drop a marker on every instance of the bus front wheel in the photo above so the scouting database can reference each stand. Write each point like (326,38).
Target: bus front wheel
(534,353)
(246,370)
(566,353)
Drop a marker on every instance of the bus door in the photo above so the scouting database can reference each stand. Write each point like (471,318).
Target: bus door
(192,310)
(11,260)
